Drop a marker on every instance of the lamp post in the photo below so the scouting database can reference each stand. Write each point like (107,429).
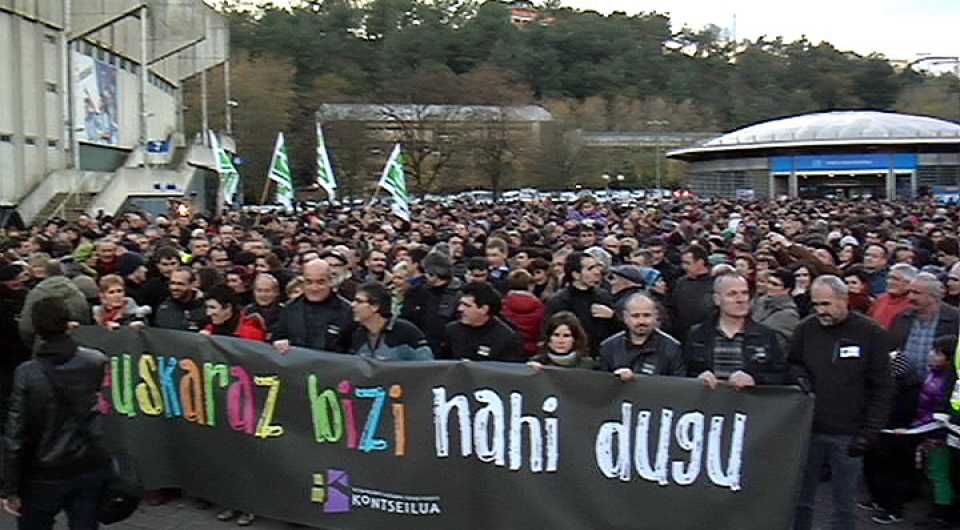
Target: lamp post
(606,181)
(620,179)
(658,123)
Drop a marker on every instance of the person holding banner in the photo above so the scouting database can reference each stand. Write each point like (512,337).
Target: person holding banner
(731,346)
(381,335)
(642,349)
(320,319)
(844,356)
(565,345)
(480,335)
(226,318)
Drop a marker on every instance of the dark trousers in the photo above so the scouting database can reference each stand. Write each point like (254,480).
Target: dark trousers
(79,497)
(890,471)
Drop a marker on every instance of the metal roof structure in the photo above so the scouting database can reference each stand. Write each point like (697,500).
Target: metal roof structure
(426,113)
(828,129)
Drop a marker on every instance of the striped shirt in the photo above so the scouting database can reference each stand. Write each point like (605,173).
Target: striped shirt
(727,353)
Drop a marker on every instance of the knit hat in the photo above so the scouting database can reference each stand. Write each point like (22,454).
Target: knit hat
(632,273)
(129,262)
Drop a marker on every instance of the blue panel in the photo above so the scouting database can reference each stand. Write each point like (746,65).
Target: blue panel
(781,164)
(828,163)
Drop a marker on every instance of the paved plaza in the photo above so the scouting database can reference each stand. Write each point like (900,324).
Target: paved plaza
(184,514)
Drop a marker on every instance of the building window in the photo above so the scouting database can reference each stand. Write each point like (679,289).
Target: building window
(30,141)
(6,138)
(51,87)
(49,39)
(52,144)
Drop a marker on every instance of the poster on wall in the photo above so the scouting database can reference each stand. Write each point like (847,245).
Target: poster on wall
(95,100)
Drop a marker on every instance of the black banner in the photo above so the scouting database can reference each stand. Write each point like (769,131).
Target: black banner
(341,442)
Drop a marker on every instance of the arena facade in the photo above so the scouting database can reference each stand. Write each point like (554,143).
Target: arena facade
(839,154)
(93,86)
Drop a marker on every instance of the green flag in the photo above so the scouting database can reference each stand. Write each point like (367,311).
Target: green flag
(229,176)
(324,170)
(394,182)
(280,173)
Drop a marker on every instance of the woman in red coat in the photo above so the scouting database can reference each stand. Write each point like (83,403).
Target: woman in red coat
(524,310)
(226,317)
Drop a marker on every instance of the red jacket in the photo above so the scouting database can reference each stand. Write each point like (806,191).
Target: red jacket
(526,311)
(250,327)
(886,306)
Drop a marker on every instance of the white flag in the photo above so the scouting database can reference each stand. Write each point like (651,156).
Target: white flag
(395,183)
(280,173)
(229,176)
(324,170)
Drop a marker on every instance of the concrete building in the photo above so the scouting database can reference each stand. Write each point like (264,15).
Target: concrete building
(92,97)
(437,138)
(840,154)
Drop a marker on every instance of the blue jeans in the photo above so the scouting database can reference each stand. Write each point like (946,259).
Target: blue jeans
(845,472)
(42,500)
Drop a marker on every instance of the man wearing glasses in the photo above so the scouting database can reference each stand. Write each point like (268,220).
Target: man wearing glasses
(888,466)
(381,335)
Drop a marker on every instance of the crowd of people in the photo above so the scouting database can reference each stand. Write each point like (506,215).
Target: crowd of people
(855,302)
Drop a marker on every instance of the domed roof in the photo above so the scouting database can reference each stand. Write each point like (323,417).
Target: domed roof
(833,128)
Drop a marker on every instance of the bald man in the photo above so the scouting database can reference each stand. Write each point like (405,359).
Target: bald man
(320,319)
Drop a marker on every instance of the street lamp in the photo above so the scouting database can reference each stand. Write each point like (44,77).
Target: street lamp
(620,178)
(606,180)
(658,123)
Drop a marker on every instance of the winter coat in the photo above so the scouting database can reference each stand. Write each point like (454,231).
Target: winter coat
(128,314)
(186,315)
(526,312)
(690,304)
(886,307)
(778,313)
(52,428)
(250,327)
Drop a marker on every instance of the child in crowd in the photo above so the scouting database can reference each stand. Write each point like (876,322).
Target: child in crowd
(936,388)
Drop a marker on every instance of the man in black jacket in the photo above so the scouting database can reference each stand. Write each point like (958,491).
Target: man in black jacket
(320,319)
(731,347)
(691,301)
(52,458)
(183,309)
(642,349)
(433,304)
(844,356)
(583,296)
(480,335)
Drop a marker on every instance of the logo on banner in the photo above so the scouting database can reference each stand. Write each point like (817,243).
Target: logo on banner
(332,489)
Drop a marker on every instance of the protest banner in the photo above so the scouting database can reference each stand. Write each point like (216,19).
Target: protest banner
(342,442)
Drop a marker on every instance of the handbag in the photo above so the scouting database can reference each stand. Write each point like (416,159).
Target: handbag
(122,489)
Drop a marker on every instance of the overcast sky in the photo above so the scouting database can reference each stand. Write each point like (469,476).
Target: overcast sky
(900,29)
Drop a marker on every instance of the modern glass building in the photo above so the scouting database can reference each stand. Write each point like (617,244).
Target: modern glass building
(840,154)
